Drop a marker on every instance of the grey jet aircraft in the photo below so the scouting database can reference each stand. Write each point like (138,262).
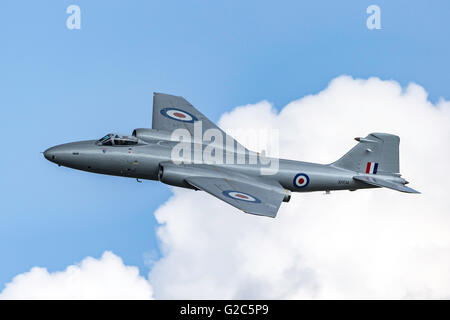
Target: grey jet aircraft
(236,175)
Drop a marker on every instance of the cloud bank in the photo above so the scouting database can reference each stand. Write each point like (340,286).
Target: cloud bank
(104,278)
(365,244)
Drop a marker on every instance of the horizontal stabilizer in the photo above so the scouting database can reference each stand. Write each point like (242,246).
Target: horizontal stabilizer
(380,182)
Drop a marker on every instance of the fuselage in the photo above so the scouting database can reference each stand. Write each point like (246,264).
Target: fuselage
(143,161)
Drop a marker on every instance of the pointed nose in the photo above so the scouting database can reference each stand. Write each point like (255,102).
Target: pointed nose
(49,154)
(68,154)
(58,154)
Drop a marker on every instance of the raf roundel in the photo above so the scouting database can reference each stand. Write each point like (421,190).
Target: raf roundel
(301,180)
(178,114)
(237,195)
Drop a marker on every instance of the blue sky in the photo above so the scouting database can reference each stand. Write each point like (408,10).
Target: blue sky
(59,85)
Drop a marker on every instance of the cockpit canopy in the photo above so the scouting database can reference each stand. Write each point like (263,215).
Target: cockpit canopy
(117,140)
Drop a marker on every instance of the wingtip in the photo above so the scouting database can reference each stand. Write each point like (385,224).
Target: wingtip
(411,190)
(165,94)
(260,214)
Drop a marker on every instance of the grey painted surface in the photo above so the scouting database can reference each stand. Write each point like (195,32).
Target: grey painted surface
(372,163)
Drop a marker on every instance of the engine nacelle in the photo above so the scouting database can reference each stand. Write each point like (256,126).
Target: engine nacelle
(151,134)
(174,175)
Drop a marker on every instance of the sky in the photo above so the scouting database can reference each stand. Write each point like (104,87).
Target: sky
(60,85)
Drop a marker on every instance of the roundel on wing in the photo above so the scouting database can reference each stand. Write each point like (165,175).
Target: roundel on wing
(237,195)
(178,114)
(301,180)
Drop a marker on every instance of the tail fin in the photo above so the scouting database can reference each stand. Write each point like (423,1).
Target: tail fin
(375,154)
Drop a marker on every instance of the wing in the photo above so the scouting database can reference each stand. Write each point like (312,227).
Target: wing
(379,182)
(173,112)
(257,198)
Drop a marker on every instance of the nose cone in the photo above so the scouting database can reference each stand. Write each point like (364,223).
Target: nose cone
(69,154)
(50,154)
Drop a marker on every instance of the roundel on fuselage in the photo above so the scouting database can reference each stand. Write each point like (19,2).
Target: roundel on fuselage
(237,195)
(178,114)
(301,180)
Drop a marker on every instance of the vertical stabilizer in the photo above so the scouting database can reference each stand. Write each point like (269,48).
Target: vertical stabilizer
(375,154)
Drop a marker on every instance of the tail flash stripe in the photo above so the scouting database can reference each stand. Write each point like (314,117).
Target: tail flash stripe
(376,168)
(368,167)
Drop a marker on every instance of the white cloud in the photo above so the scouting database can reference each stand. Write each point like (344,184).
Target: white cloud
(104,278)
(365,244)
